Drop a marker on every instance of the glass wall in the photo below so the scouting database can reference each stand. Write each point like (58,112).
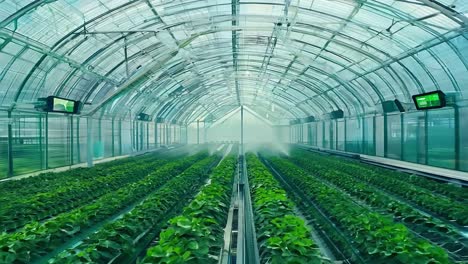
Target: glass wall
(58,141)
(437,137)
(3,145)
(368,147)
(43,141)
(441,138)
(354,134)
(463,139)
(394,136)
(28,145)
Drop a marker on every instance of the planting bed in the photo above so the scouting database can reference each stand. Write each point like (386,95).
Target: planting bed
(168,208)
(282,236)
(377,237)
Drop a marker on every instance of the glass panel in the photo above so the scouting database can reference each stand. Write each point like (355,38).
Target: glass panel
(107,137)
(394,136)
(117,137)
(59,141)
(81,140)
(98,143)
(320,142)
(126,137)
(27,143)
(3,144)
(463,140)
(326,135)
(353,135)
(379,136)
(411,139)
(368,143)
(341,135)
(441,138)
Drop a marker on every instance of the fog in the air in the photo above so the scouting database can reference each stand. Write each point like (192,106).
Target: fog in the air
(258,132)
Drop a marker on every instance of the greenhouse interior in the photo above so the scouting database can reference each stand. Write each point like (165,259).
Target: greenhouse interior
(234,132)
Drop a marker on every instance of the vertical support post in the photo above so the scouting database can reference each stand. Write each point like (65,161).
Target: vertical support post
(71,141)
(186,134)
(156,134)
(10,145)
(136,133)
(242,130)
(374,137)
(46,136)
(385,134)
(457,137)
(113,136)
(41,154)
(89,138)
(142,125)
(363,139)
(345,131)
(198,132)
(78,147)
(120,137)
(426,137)
(147,135)
(100,134)
(336,133)
(402,134)
(323,134)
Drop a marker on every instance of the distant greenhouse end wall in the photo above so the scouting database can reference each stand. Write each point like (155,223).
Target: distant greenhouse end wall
(39,141)
(437,138)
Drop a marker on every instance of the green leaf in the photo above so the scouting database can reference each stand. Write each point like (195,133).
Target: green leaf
(193,245)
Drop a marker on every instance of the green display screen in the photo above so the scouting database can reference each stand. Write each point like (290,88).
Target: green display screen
(62,105)
(429,100)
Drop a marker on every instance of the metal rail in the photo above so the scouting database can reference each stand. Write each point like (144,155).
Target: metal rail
(240,240)
(251,247)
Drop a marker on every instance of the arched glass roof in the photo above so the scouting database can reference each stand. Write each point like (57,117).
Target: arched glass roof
(184,60)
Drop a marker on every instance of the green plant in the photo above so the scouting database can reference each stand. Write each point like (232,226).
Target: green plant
(382,240)
(444,207)
(140,223)
(196,235)
(47,236)
(282,237)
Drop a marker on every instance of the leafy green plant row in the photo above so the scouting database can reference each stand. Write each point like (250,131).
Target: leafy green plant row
(379,239)
(37,239)
(196,236)
(121,238)
(449,190)
(375,198)
(441,206)
(68,196)
(281,235)
(45,182)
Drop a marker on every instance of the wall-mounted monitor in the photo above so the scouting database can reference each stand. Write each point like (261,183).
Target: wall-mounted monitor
(294,122)
(143,117)
(431,100)
(392,106)
(309,119)
(336,114)
(59,105)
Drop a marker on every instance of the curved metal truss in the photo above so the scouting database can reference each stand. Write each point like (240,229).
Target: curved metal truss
(185,60)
